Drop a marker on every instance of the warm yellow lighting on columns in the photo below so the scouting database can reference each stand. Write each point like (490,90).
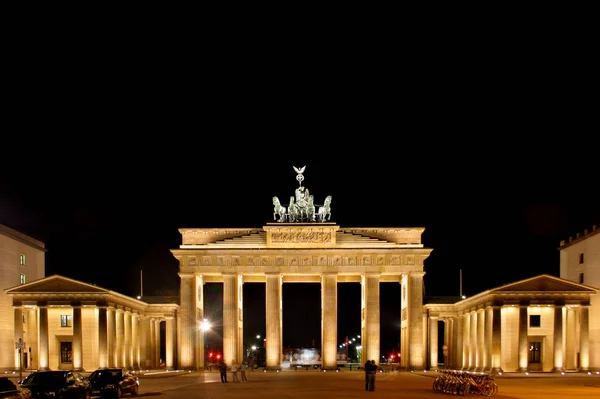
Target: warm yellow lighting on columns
(480,339)
(584,339)
(458,361)
(273,316)
(102,337)
(152,343)
(18,335)
(240,318)
(145,342)
(230,318)
(487,348)
(473,341)
(188,323)
(169,342)
(43,334)
(77,345)
(415,322)
(559,360)
(433,342)
(523,343)
(199,334)
(571,340)
(496,360)
(120,338)
(370,336)
(329,320)
(157,342)
(112,336)
(135,347)
(466,322)
(126,356)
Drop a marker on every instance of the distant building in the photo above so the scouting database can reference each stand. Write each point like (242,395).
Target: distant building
(22,259)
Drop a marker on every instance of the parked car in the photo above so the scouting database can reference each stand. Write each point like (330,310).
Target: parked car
(10,390)
(114,382)
(62,384)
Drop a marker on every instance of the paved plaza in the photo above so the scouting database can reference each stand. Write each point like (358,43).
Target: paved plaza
(314,384)
(346,384)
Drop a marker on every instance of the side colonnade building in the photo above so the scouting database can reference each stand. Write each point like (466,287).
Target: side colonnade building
(67,324)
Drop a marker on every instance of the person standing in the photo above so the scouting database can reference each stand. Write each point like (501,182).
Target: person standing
(235,371)
(223,370)
(367,368)
(371,379)
(243,369)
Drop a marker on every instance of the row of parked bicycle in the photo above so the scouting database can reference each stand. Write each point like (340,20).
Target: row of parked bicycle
(454,382)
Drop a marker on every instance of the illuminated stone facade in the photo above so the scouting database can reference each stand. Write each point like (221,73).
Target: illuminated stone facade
(544,323)
(300,252)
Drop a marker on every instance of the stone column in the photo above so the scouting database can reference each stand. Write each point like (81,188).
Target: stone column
(200,334)
(584,339)
(523,344)
(487,348)
(370,337)
(447,341)
(112,336)
(188,331)
(496,350)
(329,323)
(145,342)
(44,354)
(152,343)
(571,339)
(127,340)
(169,342)
(157,342)
(473,341)
(32,330)
(273,316)
(458,358)
(433,342)
(230,319)
(77,345)
(135,341)
(18,335)
(415,300)
(466,341)
(480,339)
(559,365)
(102,337)
(240,318)
(120,338)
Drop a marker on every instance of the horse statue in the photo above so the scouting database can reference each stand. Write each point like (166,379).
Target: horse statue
(293,211)
(325,210)
(278,210)
(310,208)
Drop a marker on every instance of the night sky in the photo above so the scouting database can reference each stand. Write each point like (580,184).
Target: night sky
(496,211)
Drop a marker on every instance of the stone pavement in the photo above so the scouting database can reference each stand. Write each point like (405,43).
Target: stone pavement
(314,384)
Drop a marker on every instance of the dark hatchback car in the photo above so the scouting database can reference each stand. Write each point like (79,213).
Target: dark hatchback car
(62,384)
(9,390)
(114,382)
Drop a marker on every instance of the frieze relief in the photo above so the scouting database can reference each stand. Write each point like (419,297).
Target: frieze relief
(309,260)
(301,237)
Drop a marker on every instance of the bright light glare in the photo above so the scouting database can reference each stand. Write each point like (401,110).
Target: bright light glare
(205,325)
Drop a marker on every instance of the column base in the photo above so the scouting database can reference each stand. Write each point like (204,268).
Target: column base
(558,370)
(497,370)
(522,370)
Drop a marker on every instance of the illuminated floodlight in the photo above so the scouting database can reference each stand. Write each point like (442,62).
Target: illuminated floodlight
(254,348)
(464,297)
(205,325)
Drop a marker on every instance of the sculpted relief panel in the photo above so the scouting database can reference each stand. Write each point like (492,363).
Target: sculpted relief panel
(307,260)
(300,237)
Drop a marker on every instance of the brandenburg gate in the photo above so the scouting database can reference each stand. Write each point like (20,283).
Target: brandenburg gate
(301,245)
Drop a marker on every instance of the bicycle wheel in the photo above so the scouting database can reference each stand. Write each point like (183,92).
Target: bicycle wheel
(490,389)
